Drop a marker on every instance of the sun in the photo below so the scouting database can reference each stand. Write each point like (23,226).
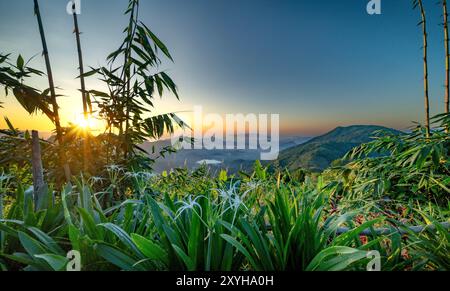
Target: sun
(85,123)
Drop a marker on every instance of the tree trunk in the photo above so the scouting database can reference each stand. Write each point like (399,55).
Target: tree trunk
(59,134)
(37,169)
(425,68)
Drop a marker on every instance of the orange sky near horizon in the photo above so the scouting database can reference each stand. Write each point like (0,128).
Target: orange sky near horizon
(288,125)
(318,66)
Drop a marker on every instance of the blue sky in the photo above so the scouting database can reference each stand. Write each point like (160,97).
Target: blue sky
(319,64)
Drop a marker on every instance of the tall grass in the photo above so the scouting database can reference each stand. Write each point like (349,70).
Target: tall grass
(222,228)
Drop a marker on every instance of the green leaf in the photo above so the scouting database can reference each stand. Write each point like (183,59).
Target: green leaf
(64,193)
(158,42)
(58,263)
(231,240)
(10,125)
(47,241)
(189,263)
(194,237)
(22,258)
(88,74)
(20,63)
(351,235)
(116,257)
(74,236)
(336,258)
(150,249)
(88,224)
(98,93)
(32,246)
(123,237)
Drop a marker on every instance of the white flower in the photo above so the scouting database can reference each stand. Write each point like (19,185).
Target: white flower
(97,179)
(190,205)
(114,168)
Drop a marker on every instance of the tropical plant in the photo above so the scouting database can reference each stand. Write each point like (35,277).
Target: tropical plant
(12,77)
(298,235)
(400,167)
(386,198)
(132,77)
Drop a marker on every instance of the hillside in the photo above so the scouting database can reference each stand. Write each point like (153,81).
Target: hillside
(231,159)
(318,153)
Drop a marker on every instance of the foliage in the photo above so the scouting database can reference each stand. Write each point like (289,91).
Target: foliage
(12,77)
(127,109)
(245,222)
(389,195)
(400,167)
(132,77)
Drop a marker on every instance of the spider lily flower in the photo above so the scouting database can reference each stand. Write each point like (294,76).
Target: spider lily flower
(114,168)
(189,205)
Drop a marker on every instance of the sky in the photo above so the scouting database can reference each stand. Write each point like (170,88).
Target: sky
(318,64)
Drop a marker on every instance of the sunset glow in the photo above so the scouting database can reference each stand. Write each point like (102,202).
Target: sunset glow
(86,123)
(203,138)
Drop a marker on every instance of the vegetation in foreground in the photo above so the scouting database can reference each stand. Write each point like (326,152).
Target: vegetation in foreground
(386,197)
(268,220)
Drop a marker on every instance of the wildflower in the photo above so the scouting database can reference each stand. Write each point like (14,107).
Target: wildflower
(114,168)
(95,179)
(189,205)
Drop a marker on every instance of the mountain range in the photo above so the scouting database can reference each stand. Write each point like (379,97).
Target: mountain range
(313,154)
(233,160)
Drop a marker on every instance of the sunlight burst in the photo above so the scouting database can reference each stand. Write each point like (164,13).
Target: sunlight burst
(83,123)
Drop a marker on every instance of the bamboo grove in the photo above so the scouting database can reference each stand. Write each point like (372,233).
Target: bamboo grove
(132,78)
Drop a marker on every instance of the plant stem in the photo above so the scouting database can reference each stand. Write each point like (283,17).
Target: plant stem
(84,94)
(425,68)
(81,68)
(37,169)
(208,256)
(1,206)
(447,60)
(59,134)
(127,79)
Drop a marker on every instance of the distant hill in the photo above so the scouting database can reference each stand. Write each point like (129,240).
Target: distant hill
(318,153)
(231,159)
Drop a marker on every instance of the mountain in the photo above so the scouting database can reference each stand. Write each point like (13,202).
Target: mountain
(318,153)
(231,159)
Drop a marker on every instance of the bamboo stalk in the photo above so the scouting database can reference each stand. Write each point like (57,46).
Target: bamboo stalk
(59,134)
(49,71)
(80,62)
(425,67)
(127,79)
(84,94)
(447,60)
